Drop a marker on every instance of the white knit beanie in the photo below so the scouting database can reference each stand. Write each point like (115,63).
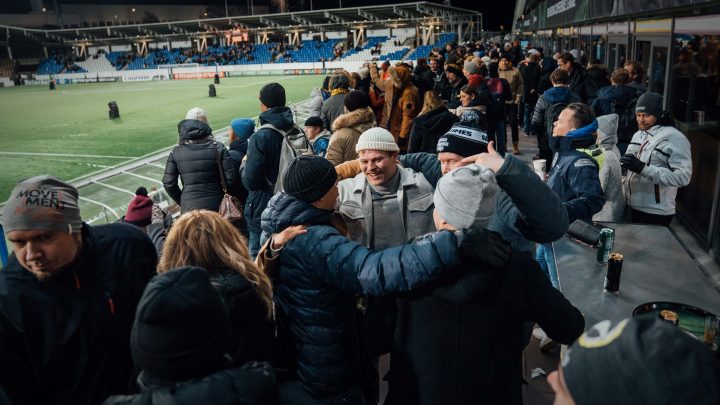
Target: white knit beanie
(197,113)
(377,138)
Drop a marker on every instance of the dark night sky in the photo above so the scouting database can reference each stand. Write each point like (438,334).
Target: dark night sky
(494,14)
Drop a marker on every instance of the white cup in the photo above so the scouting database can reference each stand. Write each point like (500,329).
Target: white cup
(539,166)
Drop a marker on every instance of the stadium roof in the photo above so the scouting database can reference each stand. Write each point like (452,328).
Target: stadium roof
(338,19)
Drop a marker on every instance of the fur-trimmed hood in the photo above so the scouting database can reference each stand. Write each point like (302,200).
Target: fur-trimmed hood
(400,76)
(363,118)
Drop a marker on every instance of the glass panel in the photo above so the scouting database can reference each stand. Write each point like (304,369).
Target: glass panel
(598,48)
(642,54)
(694,79)
(612,59)
(657,74)
(622,53)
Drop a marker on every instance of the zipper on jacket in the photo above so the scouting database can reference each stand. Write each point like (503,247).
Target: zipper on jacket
(657,194)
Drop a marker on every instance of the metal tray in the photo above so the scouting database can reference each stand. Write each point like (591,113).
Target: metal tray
(690,319)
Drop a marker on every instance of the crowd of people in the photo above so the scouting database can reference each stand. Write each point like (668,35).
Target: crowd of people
(391,221)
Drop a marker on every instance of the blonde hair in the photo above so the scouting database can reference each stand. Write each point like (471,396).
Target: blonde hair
(206,239)
(431,102)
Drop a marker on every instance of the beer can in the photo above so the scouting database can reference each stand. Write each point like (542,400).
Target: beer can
(670,317)
(606,244)
(614,268)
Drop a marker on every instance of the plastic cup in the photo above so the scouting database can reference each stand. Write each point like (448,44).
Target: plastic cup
(711,330)
(539,167)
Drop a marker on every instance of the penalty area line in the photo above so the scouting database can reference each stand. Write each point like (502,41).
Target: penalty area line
(66,155)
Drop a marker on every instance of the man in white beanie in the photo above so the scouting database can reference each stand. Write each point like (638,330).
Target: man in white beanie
(383,206)
(475,313)
(384,193)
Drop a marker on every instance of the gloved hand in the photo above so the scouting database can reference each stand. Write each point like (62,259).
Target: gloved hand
(484,246)
(630,162)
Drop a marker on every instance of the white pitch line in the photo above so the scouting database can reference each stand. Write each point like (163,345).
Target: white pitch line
(114,188)
(66,155)
(140,176)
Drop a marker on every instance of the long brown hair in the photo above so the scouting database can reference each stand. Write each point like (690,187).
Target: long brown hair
(206,239)
(431,102)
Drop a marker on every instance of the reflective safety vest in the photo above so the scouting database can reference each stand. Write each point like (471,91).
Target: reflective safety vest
(596,152)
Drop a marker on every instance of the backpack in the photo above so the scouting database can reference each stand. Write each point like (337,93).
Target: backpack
(295,143)
(551,115)
(627,124)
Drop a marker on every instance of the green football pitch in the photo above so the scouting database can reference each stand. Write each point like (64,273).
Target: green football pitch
(67,132)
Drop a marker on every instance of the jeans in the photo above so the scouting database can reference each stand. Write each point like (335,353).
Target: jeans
(527,113)
(497,132)
(511,117)
(545,256)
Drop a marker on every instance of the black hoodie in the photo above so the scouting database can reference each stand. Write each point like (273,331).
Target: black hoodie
(194,160)
(428,128)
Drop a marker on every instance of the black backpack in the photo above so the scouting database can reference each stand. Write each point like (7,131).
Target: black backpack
(551,115)
(627,124)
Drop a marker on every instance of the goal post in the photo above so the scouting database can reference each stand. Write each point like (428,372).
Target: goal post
(178,67)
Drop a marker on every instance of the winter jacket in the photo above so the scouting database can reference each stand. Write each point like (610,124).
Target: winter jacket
(554,95)
(67,341)
(597,78)
(578,79)
(261,167)
(428,128)
(666,153)
(515,81)
(253,331)
(320,143)
(530,73)
(402,101)
(194,161)
(610,171)
(316,103)
(526,211)
(347,130)
(319,273)
(459,339)
(602,105)
(439,83)
(548,66)
(501,94)
(333,108)
(253,384)
(415,197)
(574,175)
(237,151)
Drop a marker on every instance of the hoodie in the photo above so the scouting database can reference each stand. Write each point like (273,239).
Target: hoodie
(428,128)
(553,95)
(316,102)
(610,172)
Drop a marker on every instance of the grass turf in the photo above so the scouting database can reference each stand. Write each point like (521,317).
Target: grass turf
(73,120)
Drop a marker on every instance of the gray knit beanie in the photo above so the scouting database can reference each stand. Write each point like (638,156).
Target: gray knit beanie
(472,67)
(465,197)
(649,103)
(42,203)
(377,138)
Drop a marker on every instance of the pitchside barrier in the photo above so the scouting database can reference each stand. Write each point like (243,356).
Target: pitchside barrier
(180,72)
(105,194)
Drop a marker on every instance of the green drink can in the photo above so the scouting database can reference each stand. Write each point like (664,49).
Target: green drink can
(607,242)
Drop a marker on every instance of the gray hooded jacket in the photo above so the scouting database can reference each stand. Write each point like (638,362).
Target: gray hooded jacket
(610,172)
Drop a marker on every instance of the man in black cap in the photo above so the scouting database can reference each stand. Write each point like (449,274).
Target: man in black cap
(263,158)
(658,161)
(636,361)
(181,340)
(317,134)
(320,272)
(67,298)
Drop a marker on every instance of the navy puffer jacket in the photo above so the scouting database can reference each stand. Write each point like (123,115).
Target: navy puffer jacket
(318,275)
(194,160)
(574,176)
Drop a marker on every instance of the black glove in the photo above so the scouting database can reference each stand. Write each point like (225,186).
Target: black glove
(484,246)
(630,162)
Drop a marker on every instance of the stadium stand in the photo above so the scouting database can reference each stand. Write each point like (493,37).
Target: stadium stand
(388,49)
(424,50)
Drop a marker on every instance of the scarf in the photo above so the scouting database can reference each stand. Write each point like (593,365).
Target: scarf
(339,91)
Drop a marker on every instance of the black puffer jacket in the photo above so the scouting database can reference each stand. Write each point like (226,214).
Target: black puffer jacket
(596,78)
(428,128)
(67,341)
(194,160)
(253,330)
(261,166)
(318,275)
(253,384)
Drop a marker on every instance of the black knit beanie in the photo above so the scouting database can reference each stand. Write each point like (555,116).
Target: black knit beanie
(182,327)
(356,100)
(272,95)
(464,141)
(309,178)
(649,103)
